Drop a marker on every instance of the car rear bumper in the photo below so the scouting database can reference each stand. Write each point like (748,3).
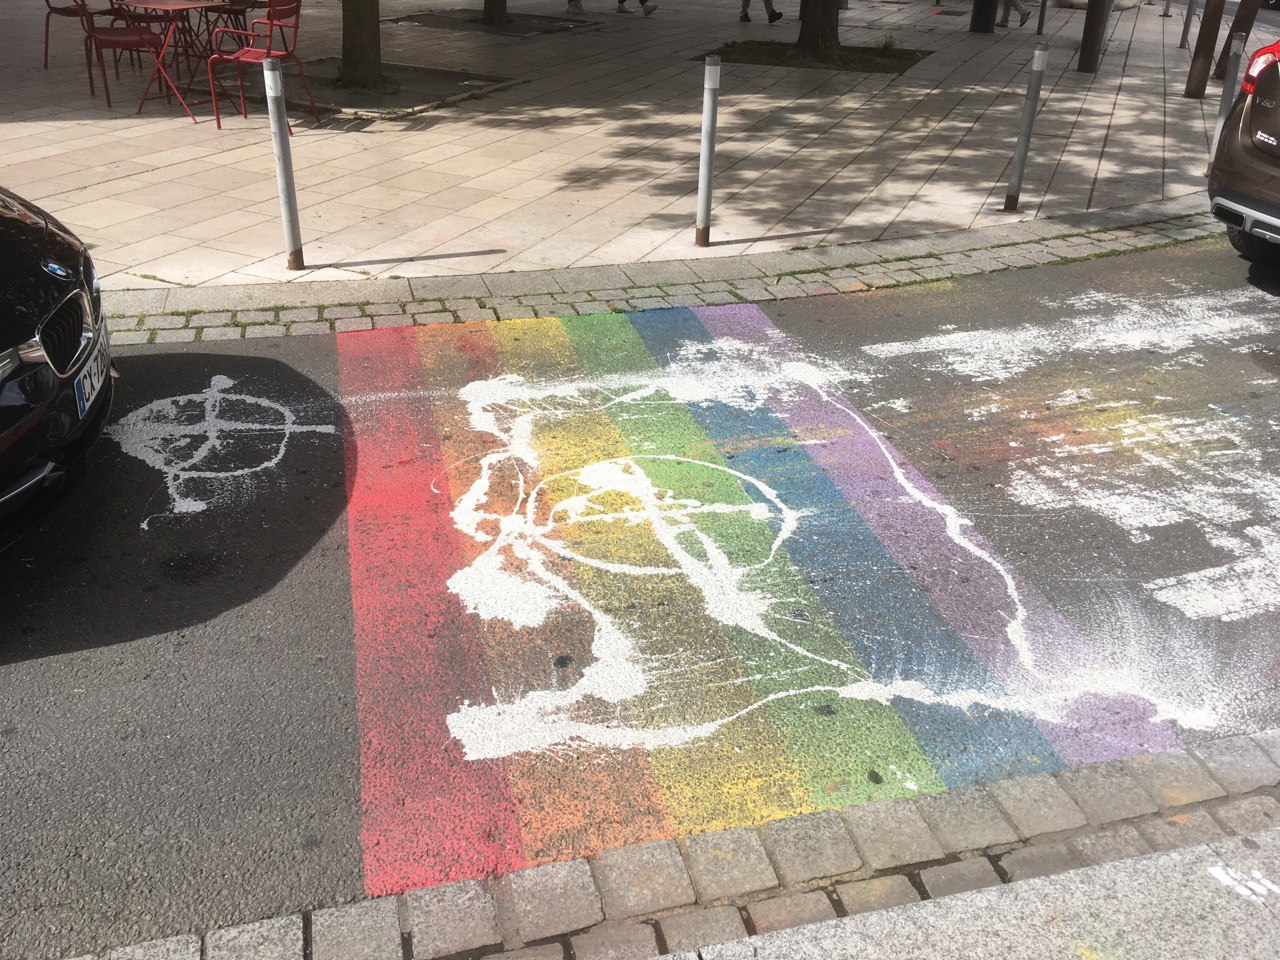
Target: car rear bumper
(1249,214)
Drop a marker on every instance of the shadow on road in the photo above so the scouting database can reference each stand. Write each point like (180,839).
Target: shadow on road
(218,473)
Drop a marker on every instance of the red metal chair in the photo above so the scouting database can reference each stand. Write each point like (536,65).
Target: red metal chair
(282,15)
(130,38)
(75,8)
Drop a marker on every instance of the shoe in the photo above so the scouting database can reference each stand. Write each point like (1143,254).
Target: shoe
(775,16)
(648,8)
(745,18)
(623,8)
(1025,17)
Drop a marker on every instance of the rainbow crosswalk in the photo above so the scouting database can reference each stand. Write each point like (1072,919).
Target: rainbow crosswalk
(631,576)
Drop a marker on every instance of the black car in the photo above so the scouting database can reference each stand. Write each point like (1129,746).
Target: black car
(55,360)
(1244,179)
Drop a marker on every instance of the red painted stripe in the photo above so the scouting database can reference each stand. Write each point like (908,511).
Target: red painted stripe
(429,815)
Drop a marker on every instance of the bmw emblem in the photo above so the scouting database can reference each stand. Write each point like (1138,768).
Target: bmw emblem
(56,269)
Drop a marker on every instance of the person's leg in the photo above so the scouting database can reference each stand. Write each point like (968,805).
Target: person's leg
(1004,14)
(774,15)
(744,16)
(1023,11)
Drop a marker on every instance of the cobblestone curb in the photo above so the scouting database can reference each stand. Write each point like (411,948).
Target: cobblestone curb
(672,898)
(203,315)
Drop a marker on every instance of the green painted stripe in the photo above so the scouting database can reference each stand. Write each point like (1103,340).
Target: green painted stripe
(847,751)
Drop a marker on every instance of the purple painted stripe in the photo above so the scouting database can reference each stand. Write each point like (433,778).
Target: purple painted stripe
(965,589)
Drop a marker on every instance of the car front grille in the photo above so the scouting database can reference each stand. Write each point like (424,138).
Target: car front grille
(65,333)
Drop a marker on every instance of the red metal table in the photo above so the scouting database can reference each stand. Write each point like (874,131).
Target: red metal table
(178,13)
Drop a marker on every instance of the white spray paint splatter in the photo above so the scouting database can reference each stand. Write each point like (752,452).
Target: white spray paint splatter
(525,542)
(1108,323)
(181,436)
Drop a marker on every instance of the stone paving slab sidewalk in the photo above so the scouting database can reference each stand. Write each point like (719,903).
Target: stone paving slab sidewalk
(277,310)
(590,160)
(675,898)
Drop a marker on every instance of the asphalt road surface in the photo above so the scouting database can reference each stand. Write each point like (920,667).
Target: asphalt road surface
(345,616)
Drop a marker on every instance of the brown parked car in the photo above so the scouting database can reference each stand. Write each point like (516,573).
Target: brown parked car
(1244,181)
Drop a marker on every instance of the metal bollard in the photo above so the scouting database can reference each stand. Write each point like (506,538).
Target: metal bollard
(1186,24)
(1039,60)
(273,80)
(1230,87)
(1168,8)
(1044,10)
(707,157)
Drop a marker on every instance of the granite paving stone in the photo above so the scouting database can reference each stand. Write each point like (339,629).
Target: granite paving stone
(807,847)
(616,941)
(1269,741)
(174,336)
(728,863)
(219,319)
(959,877)
(892,833)
(341,313)
(700,928)
(347,324)
(1107,844)
(546,951)
(452,918)
(174,948)
(222,333)
(1248,814)
(877,893)
(1239,764)
(1038,860)
(367,930)
(265,330)
(966,819)
(642,879)
(309,329)
(1180,830)
(1173,778)
(1105,792)
(782,913)
(555,898)
(164,322)
(1036,805)
(277,939)
(382,321)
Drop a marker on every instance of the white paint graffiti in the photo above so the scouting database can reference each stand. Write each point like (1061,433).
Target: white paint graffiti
(1105,323)
(203,443)
(518,579)
(1254,885)
(1149,471)
(1207,471)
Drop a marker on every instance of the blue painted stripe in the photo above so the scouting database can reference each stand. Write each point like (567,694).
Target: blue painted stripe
(894,629)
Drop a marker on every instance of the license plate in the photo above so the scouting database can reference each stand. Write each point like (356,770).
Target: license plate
(93,376)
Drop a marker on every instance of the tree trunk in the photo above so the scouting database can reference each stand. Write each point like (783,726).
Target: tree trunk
(495,13)
(983,17)
(1094,36)
(1242,22)
(361,45)
(1206,43)
(819,29)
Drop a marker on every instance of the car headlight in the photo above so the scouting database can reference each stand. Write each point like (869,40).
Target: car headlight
(9,362)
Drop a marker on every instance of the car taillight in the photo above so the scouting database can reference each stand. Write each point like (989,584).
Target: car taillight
(1257,63)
